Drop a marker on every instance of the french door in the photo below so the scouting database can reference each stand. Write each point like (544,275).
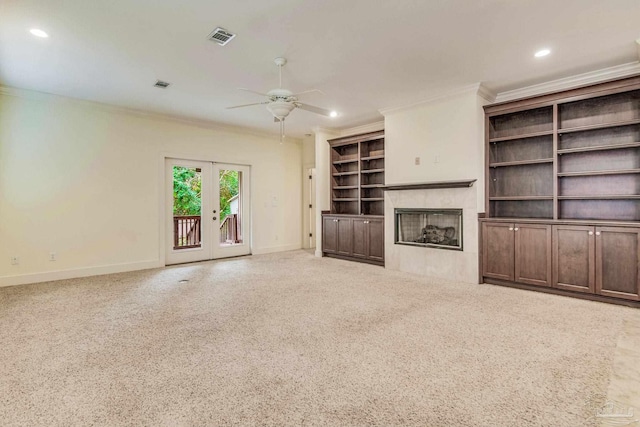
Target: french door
(208,211)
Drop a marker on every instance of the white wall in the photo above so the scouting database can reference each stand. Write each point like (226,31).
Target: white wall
(447,135)
(84,180)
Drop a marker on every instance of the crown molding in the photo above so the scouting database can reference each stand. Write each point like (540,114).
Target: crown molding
(611,73)
(320,129)
(371,127)
(44,96)
(476,88)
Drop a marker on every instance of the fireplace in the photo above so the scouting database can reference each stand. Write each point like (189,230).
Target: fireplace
(432,228)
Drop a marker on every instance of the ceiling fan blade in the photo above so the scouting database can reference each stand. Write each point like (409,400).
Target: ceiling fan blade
(252,91)
(308,91)
(247,105)
(313,109)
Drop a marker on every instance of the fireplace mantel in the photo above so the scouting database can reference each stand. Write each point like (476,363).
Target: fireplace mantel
(431,185)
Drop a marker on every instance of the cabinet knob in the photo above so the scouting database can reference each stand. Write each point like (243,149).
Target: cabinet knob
(597,233)
(591,233)
(510,228)
(516,229)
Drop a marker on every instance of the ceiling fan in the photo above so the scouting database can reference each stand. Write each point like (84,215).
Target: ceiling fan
(280,102)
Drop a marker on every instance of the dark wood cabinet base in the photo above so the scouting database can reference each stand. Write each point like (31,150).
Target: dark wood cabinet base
(357,259)
(556,291)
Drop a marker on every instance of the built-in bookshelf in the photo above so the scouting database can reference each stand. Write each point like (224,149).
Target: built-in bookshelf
(562,188)
(357,174)
(574,158)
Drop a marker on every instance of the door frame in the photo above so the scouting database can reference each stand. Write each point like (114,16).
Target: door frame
(162,204)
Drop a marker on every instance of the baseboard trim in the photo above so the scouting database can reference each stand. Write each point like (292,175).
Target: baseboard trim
(48,276)
(272,249)
(564,293)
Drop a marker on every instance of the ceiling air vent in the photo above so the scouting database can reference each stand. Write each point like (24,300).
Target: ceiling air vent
(161,84)
(221,36)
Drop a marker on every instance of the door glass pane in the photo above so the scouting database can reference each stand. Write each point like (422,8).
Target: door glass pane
(187,207)
(230,207)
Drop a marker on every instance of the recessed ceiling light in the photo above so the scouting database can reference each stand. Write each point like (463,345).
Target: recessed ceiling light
(333,114)
(542,52)
(38,33)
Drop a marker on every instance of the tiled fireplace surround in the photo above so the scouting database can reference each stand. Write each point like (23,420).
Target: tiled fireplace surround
(461,266)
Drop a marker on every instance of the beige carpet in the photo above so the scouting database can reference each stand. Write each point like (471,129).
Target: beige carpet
(290,339)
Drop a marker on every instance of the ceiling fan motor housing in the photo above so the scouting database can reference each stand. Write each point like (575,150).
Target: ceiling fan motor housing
(280,108)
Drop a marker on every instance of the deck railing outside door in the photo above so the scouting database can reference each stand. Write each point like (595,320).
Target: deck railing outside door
(186,231)
(229,230)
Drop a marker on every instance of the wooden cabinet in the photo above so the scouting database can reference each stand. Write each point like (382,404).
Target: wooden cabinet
(517,252)
(617,251)
(337,235)
(600,260)
(574,258)
(360,238)
(565,163)
(357,181)
(498,251)
(368,238)
(329,235)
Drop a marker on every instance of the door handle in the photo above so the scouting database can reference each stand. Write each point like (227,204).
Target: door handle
(214,211)
(214,218)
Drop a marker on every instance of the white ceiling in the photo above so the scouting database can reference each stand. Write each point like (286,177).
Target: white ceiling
(365,55)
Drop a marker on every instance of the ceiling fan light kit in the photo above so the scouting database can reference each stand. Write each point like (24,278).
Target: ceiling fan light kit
(280,102)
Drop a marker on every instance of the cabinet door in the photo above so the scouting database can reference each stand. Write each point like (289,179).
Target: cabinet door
(498,249)
(329,234)
(533,254)
(574,258)
(360,235)
(345,236)
(617,263)
(375,228)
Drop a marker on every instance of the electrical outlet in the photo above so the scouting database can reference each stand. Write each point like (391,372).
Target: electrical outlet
(15,260)
(53,256)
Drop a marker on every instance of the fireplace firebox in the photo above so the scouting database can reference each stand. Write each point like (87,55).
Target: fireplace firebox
(431,228)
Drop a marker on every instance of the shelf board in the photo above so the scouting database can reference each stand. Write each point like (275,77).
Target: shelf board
(598,126)
(520,162)
(373,157)
(345,187)
(603,172)
(373,199)
(599,148)
(372,186)
(609,197)
(431,185)
(350,199)
(508,198)
(342,162)
(372,170)
(345,173)
(523,136)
